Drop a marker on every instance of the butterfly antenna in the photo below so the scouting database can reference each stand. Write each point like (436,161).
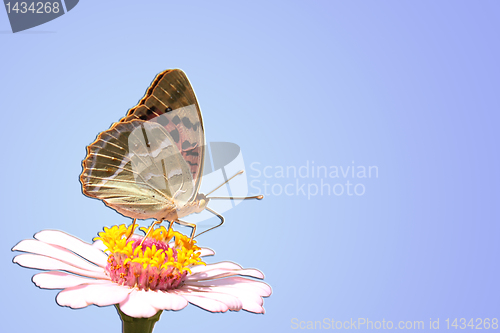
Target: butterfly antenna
(218,187)
(258,197)
(216,214)
(231,198)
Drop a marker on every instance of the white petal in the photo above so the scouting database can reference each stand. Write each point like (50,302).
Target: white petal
(98,244)
(219,273)
(258,287)
(56,252)
(98,294)
(46,263)
(166,300)
(74,244)
(249,294)
(205,251)
(206,303)
(250,300)
(232,302)
(138,305)
(222,264)
(61,280)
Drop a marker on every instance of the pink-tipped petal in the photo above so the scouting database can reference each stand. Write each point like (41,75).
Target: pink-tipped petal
(231,301)
(74,244)
(206,303)
(239,292)
(138,305)
(260,288)
(220,273)
(250,301)
(56,252)
(228,265)
(162,300)
(61,280)
(46,263)
(98,294)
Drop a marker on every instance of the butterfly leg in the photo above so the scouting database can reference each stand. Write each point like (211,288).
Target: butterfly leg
(150,229)
(216,214)
(187,224)
(131,232)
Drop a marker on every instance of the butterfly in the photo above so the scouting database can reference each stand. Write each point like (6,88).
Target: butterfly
(150,163)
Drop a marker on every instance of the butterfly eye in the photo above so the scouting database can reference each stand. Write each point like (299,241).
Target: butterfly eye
(203,203)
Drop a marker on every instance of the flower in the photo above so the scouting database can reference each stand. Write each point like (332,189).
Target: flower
(142,275)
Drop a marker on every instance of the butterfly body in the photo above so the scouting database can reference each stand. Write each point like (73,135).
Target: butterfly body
(172,210)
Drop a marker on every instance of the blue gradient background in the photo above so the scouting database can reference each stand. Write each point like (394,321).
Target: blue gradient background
(410,87)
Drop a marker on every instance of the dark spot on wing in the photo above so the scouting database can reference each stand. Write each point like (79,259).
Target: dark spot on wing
(162,120)
(186,144)
(175,134)
(187,122)
(143,117)
(195,127)
(190,152)
(176,120)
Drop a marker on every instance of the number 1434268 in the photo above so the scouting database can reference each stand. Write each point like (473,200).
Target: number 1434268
(473,323)
(34,8)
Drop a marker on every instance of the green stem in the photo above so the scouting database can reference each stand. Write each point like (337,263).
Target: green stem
(137,325)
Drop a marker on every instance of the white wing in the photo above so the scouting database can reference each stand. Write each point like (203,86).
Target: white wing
(136,168)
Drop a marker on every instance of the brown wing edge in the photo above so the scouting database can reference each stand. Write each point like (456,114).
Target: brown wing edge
(88,158)
(149,91)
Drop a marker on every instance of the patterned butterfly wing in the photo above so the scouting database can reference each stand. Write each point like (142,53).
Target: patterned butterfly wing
(170,100)
(136,169)
(149,165)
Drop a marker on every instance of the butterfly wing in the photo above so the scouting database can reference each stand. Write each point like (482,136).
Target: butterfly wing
(151,162)
(170,101)
(136,169)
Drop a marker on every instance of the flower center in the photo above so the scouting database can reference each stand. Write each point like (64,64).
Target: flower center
(161,262)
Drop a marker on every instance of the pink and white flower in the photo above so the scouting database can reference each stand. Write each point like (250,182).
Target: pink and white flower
(85,273)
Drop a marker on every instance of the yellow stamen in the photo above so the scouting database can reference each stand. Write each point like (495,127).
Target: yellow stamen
(186,252)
